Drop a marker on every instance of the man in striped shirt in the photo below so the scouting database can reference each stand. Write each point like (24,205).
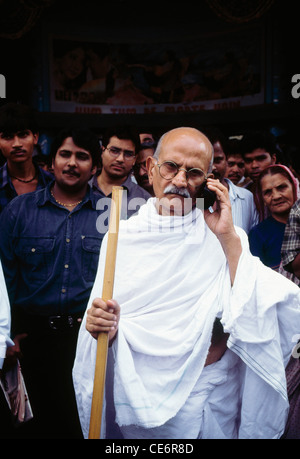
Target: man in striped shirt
(290,249)
(243,208)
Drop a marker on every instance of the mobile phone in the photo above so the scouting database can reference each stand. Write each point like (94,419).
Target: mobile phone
(208,195)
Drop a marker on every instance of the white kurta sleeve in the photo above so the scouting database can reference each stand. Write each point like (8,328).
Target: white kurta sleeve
(5,319)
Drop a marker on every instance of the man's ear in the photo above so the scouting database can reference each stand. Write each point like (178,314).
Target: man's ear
(150,164)
(210,175)
(35,137)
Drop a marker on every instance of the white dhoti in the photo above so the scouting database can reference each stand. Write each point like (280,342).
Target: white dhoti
(172,281)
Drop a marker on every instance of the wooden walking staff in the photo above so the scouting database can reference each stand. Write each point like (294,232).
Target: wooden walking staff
(107,294)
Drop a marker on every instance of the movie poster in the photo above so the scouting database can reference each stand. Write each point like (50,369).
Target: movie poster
(212,72)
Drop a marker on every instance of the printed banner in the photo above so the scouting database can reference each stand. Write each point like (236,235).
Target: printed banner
(214,72)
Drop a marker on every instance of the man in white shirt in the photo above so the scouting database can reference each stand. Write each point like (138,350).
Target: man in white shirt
(5,342)
(5,319)
(244,212)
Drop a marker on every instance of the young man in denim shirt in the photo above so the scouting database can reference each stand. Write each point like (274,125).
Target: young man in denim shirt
(49,250)
(18,138)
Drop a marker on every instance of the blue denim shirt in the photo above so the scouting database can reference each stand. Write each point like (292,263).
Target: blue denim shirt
(49,255)
(7,190)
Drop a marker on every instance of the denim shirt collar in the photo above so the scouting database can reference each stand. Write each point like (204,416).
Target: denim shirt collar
(45,196)
(43,177)
(4,176)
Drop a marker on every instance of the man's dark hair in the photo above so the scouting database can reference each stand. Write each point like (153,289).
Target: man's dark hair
(234,147)
(83,138)
(147,146)
(252,140)
(17,117)
(123,133)
(214,135)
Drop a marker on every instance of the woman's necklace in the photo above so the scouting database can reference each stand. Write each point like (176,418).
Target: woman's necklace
(65,205)
(24,181)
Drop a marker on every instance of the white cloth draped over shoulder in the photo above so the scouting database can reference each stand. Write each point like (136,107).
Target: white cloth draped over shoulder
(5,319)
(172,281)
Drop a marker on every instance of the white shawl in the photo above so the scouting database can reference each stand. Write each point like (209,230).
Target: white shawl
(171,281)
(5,319)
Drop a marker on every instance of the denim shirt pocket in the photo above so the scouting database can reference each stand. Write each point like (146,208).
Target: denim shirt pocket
(35,258)
(90,256)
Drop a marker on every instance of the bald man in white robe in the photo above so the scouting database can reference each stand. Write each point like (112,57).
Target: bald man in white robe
(179,267)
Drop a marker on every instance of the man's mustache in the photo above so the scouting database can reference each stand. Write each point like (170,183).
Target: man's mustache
(173,189)
(18,150)
(71,172)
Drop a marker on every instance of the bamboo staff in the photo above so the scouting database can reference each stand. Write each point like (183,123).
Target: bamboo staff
(107,294)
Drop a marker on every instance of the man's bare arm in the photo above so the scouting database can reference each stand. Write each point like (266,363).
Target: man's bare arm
(221,224)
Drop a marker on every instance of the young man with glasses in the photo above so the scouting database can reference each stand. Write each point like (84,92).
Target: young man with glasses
(174,373)
(119,149)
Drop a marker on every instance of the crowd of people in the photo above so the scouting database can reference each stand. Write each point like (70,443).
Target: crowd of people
(204,323)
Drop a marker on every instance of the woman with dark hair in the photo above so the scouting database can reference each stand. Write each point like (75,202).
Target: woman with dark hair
(277,190)
(69,65)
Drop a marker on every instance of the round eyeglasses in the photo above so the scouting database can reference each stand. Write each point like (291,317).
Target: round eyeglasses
(115,152)
(168,170)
